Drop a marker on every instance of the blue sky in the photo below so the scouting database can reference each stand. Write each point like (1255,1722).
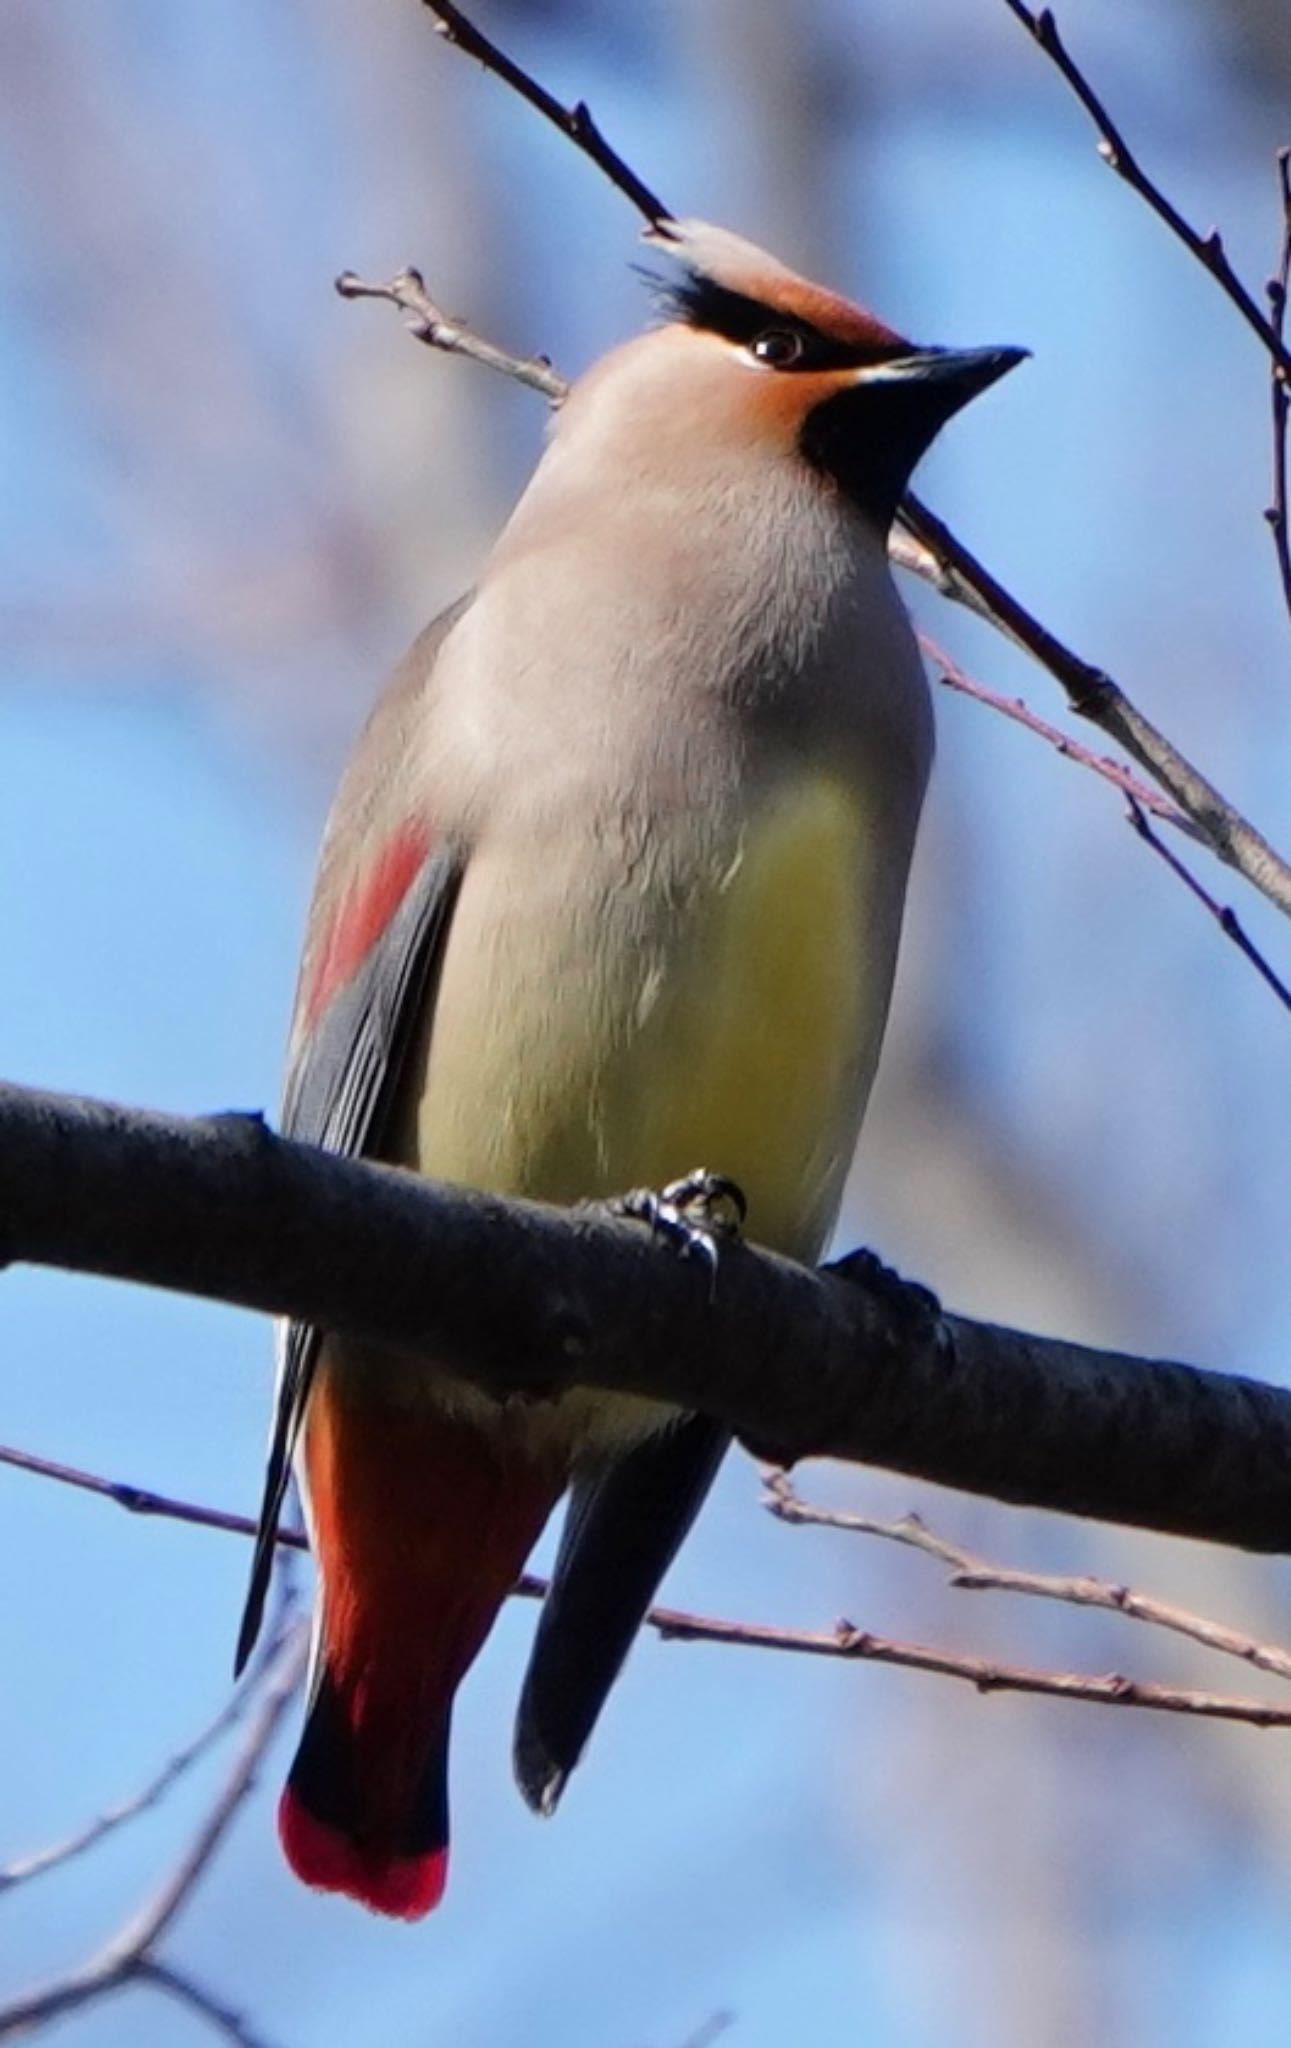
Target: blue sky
(226,501)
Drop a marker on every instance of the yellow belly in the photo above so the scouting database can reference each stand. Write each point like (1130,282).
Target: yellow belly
(605,1033)
(747,1061)
(576,1058)
(740,1034)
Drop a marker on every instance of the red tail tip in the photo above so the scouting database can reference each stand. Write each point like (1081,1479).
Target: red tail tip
(405,1887)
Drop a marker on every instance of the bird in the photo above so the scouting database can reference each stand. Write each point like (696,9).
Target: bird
(612,885)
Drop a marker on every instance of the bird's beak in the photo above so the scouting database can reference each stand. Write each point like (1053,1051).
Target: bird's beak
(962,372)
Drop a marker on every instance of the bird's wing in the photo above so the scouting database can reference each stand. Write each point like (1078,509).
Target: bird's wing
(624,1524)
(377,933)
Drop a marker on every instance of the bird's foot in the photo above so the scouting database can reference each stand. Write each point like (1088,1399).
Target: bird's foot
(695,1214)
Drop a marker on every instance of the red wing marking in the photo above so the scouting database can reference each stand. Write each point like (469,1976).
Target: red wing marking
(364,911)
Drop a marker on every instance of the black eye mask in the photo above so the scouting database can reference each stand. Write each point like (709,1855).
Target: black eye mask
(715,309)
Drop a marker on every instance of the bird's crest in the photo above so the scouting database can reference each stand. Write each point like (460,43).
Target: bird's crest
(731,288)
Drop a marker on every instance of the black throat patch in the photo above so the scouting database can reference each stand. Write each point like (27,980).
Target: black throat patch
(869,439)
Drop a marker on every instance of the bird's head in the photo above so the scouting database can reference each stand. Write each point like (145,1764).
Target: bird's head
(750,356)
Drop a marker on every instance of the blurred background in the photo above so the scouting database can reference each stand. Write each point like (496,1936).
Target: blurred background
(227,502)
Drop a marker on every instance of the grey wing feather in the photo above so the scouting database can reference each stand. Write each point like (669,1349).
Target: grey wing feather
(623,1527)
(339,1096)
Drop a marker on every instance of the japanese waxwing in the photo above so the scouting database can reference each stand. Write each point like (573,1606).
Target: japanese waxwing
(611,888)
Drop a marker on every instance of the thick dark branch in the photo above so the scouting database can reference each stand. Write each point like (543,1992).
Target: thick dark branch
(847,1362)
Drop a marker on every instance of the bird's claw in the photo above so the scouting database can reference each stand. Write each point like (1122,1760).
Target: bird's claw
(696,1214)
(718,1202)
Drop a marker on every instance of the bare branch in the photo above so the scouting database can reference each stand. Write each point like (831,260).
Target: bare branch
(1225,917)
(846,1362)
(920,558)
(717,2024)
(575,123)
(129,1957)
(186,1991)
(844,1640)
(35,1865)
(954,677)
(857,1645)
(977,1575)
(279,1688)
(1092,694)
(1208,249)
(138,1500)
(926,546)
(1278,514)
(1139,798)
(426,323)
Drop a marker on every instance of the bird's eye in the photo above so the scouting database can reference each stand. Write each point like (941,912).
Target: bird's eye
(779,347)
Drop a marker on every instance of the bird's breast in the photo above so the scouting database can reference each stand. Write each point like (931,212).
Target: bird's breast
(681,992)
(627,1010)
(695,764)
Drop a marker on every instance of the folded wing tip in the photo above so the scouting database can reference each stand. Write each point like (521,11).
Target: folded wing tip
(542,1781)
(248,1630)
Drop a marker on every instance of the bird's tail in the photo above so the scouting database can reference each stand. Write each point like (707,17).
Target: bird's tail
(365,1807)
(420,1525)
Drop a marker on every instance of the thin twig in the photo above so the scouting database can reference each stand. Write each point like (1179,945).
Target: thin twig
(956,678)
(130,1955)
(933,552)
(138,1500)
(1225,917)
(1208,249)
(978,1575)
(1139,798)
(854,1644)
(717,2024)
(1278,514)
(1092,694)
(226,2019)
(844,1640)
(426,323)
(279,1687)
(575,123)
(925,545)
(23,1868)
